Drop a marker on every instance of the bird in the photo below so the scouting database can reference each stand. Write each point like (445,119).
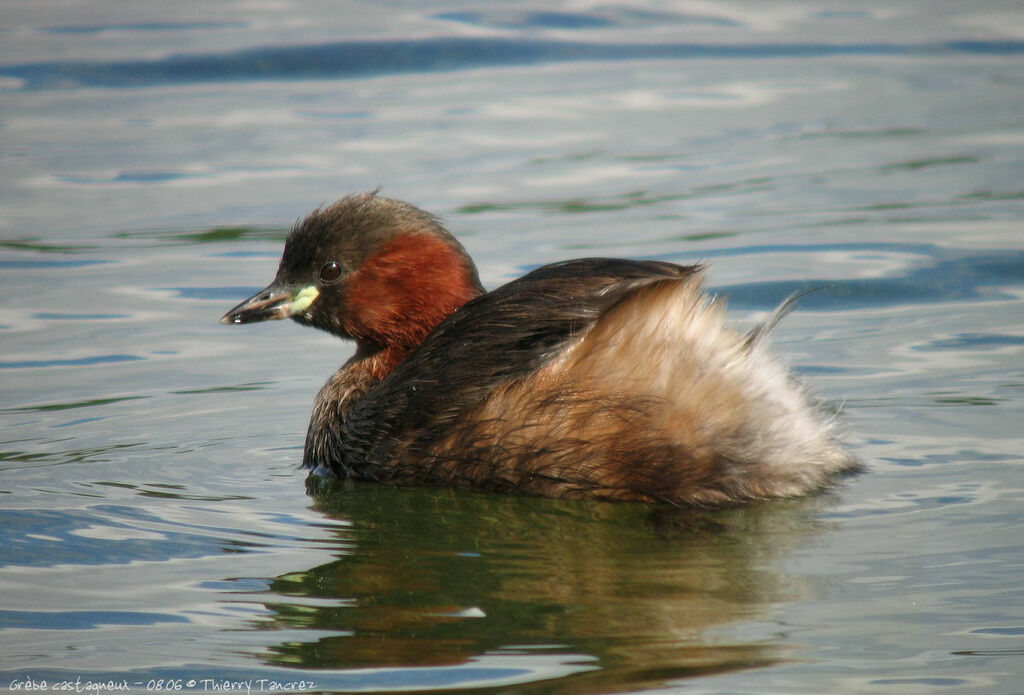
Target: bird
(591,378)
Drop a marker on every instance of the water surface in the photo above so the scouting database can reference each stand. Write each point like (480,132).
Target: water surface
(155,530)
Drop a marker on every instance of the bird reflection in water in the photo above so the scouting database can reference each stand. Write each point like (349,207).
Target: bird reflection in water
(628,595)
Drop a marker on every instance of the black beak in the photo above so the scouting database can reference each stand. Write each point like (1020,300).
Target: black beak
(273,302)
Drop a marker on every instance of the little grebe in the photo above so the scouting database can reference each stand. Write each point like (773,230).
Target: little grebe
(596,377)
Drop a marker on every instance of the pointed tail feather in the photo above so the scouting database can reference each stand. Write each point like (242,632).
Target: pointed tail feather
(766,327)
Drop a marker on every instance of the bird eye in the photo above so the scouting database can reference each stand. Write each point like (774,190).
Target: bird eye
(330,272)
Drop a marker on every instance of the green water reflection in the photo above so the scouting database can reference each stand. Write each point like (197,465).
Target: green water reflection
(430,577)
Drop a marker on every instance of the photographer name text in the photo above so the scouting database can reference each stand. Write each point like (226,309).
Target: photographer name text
(159,685)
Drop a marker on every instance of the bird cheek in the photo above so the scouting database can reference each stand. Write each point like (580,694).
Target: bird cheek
(365,320)
(334,312)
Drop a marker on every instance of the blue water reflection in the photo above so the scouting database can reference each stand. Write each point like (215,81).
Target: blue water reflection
(365,59)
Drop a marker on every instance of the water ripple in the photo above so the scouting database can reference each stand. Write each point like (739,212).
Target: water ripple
(81,620)
(952,276)
(365,58)
(93,538)
(79,362)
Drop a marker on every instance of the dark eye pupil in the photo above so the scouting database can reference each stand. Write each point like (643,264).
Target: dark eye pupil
(330,272)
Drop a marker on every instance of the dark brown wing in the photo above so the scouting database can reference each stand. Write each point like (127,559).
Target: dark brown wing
(501,336)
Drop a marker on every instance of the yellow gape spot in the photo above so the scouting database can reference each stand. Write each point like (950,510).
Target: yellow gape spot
(303,298)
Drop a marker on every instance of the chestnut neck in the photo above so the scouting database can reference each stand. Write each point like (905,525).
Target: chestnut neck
(401,293)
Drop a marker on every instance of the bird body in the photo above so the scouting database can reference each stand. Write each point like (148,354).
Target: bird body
(590,378)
